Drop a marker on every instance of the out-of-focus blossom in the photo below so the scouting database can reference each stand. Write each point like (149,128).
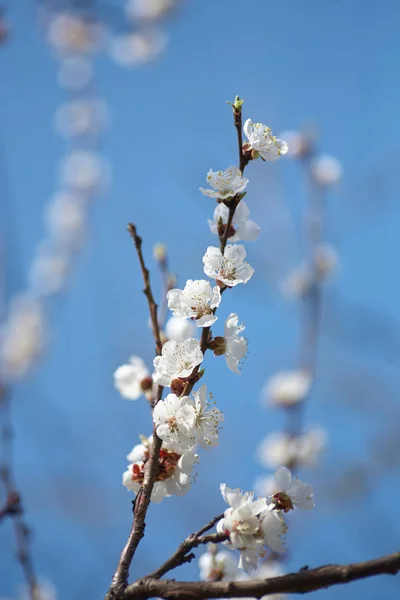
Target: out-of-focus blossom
(160,252)
(217,566)
(22,338)
(50,269)
(84,171)
(69,33)
(279,448)
(226,184)
(242,228)
(74,73)
(265,570)
(65,218)
(44,590)
(326,260)
(262,142)
(179,329)
(286,388)
(230,267)
(133,379)
(81,117)
(298,283)
(139,48)
(326,170)
(298,143)
(149,10)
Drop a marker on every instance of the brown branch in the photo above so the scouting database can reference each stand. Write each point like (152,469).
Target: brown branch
(142,502)
(182,554)
(302,582)
(13,505)
(147,288)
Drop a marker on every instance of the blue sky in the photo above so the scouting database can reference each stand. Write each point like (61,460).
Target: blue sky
(295,61)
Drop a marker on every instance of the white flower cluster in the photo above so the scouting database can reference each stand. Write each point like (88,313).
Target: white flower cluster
(185,418)
(253,525)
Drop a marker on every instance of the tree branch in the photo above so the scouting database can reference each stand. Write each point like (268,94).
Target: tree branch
(302,582)
(182,554)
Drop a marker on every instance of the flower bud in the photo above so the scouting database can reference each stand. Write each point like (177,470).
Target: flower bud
(160,252)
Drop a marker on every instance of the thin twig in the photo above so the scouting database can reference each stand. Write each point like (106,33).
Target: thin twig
(182,554)
(304,581)
(147,288)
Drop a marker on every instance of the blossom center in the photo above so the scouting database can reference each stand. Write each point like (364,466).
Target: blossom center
(283,502)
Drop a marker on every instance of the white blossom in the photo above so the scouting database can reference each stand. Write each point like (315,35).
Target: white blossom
(22,338)
(265,485)
(242,228)
(263,142)
(326,170)
(207,419)
(325,260)
(84,171)
(298,143)
(148,10)
(132,379)
(226,184)
(298,283)
(217,566)
(179,329)
(197,301)
(236,346)
(250,525)
(65,219)
(138,48)
(292,491)
(279,448)
(50,269)
(175,420)
(174,475)
(74,73)
(177,360)
(287,388)
(80,117)
(230,268)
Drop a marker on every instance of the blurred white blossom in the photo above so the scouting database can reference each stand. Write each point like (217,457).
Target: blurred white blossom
(218,566)
(286,388)
(132,379)
(81,117)
(179,329)
(50,269)
(74,73)
(84,171)
(279,448)
(326,170)
(139,48)
(148,10)
(66,219)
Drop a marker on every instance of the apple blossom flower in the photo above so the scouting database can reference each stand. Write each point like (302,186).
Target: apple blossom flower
(250,525)
(279,448)
(232,345)
(175,419)
(177,360)
(207,419)
(242,227)
(179,329)
(262,142)
(287,388)
(197,301)
(292,491)
(230,268)
(217,566)
(174,475)
(226,184)
(132,379)
(326,170)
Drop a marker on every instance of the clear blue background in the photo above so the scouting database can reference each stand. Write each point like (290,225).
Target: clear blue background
(334,63)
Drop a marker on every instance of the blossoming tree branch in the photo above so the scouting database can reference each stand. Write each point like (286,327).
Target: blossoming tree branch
(185,417)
